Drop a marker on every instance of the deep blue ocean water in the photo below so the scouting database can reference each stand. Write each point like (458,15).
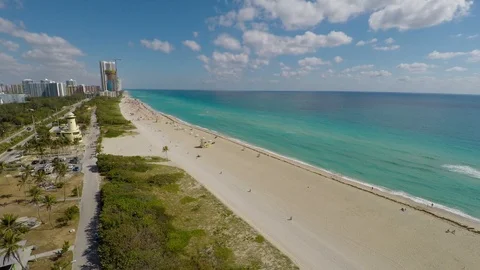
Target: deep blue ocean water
(418,145)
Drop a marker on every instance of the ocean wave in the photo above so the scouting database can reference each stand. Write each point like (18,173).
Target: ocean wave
(333,173)
(463,169)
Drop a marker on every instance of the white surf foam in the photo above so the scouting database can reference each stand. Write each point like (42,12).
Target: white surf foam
(349,179)
(463,169)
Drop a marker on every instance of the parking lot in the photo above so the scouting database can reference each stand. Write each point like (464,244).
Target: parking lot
(46,164)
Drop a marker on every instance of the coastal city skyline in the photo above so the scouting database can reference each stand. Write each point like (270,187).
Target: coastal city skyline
(250,45)
(110,84)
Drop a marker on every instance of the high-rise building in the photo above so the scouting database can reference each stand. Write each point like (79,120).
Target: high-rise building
(14,89)
(108,74)
(119,84)
(71,82)
(55,89)
(34,89)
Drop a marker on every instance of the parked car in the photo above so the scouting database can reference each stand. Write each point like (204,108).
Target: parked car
(76,169)
(35,162)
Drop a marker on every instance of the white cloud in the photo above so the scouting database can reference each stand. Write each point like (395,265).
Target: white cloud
(260,26)
(266,44)
(226,65)
(472,36)
(49,51)
(389,40)
(376,73)
(338,59)
(227,19)
(232,18)
(312,61)
(413,14)
(457,35)
(386,48)
(228,42)
(157,45)
(458,69)
(289,74)
(474,56)
(192,45)
(284,67)
(10,65)
(227,58)
(444,55)
(415,67)
(195,34)
(357,68)
(203,58)
(363,43)
(257,63)
(10,45)
(386,14)
(246,14)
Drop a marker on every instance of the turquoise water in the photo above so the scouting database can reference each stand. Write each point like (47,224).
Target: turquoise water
(420,146)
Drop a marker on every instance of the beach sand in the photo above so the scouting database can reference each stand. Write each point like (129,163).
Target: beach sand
(335,224)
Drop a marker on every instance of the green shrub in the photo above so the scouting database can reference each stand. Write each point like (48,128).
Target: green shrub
(259,239)
(71,212)
(187,199)
(164,179)
(173,188)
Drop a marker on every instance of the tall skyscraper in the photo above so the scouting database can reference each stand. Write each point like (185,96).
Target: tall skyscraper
(71,82)
(108,74)
(55,90)
(33,89)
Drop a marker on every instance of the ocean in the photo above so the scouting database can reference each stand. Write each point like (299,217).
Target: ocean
(422,146)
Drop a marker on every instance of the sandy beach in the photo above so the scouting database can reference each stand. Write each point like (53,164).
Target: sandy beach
(335,224)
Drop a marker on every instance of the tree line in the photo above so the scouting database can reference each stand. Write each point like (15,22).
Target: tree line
(14,116)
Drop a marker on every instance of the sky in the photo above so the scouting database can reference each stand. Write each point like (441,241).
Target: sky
(326,45)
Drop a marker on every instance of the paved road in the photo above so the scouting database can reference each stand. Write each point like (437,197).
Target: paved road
(16,134)
(31,126)
(10,156)
(48,253)
(85,253)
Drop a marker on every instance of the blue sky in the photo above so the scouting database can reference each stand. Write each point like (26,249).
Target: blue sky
(354,45)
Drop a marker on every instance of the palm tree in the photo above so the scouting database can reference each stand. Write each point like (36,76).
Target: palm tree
(9,245)
(40,148)
(61,170)
(49,201)
(35,192)
(23,182)
(8,222)
(40,176)
(165,150)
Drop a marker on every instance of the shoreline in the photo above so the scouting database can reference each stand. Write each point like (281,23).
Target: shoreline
(452,215)
(315,220)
